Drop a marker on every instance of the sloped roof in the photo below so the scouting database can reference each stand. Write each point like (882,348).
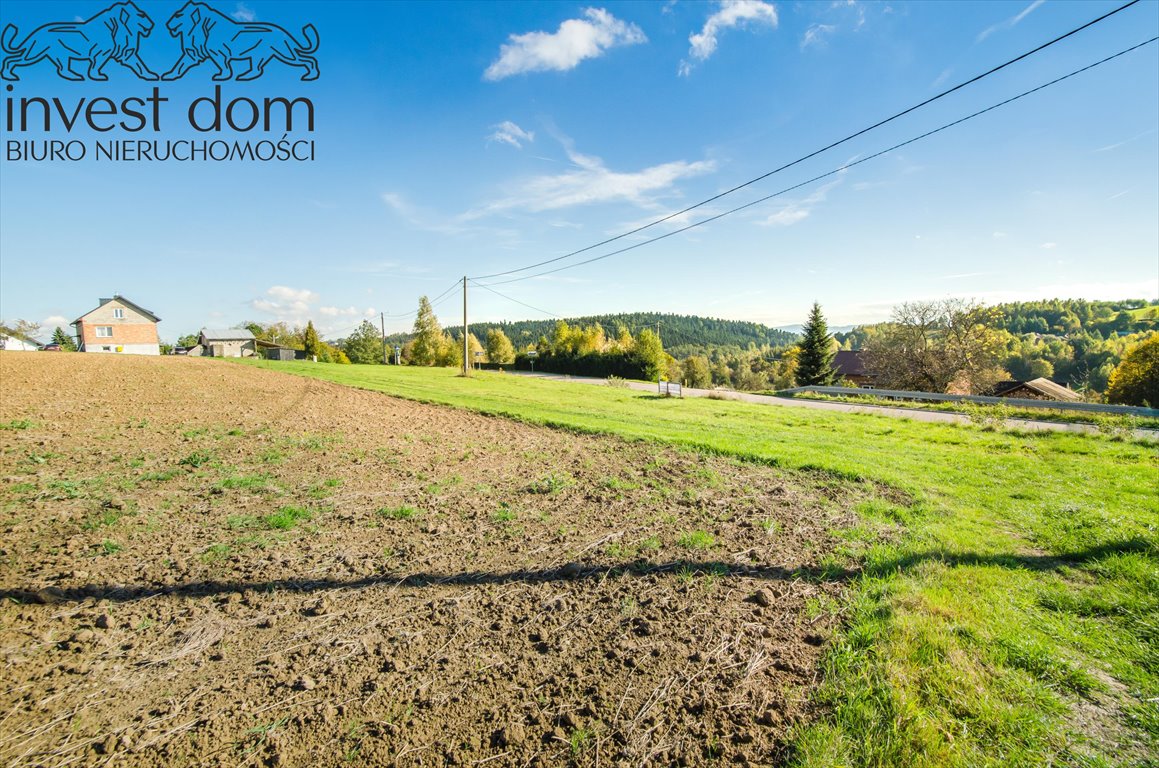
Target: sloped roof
(1044,387)
(124,301)
(849,362)
(21,337)
(226,334)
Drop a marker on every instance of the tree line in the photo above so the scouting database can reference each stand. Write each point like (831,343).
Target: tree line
(941,346)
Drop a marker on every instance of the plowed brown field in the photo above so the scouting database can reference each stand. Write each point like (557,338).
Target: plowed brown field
(208,564)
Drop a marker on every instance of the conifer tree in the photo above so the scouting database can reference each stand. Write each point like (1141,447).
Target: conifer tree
(63,339)
(815,363)
(310,342)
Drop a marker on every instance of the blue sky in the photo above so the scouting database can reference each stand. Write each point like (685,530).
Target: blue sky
(465,138)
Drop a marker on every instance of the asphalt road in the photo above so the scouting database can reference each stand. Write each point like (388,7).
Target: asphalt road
(915,414)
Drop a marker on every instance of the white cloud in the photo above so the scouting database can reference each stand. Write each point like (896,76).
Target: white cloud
(285,293)
(55,320)
(1125,142)
(420,218)
(1008,23)
(815,34)
(590,181)
(244,13)
(1048,246)
(732,13)
(676,221)
(508,132)
(349,312)
(564,49)
(799,210)
(297,306)
(963,275)
(285,304)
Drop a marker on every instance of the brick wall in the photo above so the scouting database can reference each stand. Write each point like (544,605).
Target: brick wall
(133,328)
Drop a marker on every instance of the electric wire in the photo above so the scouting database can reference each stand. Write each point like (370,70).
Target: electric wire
(833,172)
(517,301)
(826,148)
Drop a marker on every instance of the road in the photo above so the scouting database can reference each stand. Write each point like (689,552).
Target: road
(916,414)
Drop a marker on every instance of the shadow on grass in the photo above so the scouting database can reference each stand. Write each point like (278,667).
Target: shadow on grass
(1043,562)
(577,572)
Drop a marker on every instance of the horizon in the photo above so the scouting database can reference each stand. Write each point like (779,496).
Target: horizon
(466,139)
(46,331)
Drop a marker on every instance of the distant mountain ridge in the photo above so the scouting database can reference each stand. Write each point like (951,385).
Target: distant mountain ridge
(797,328)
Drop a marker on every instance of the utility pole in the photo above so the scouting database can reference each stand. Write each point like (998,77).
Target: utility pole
(466,362)
(382,325)
(658,329)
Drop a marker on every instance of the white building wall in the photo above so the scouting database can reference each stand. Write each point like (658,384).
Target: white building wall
(125,349)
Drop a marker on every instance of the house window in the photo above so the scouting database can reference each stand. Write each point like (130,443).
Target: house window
(104,331)
(119,313)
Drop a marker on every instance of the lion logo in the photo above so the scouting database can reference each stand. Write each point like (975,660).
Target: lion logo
(206,34)
(112,35)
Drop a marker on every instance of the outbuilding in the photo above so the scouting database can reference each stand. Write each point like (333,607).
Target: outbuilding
(1036,389)
(228,342)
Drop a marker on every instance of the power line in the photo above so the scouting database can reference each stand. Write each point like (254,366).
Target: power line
(829,173)
(800,160)
(517,301)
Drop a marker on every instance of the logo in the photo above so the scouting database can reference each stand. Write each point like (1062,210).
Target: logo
(207,35)
(111,35)
(114,34)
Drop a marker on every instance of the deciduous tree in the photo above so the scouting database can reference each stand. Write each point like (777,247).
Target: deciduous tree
(696,372)
(364,345)
(428,336)
(1136,379)
(499,348)
(649,353)
(929,345)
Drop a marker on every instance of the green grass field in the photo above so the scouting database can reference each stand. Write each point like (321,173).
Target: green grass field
(1016,621)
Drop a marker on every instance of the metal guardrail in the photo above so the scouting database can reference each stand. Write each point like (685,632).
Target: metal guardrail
(896,394)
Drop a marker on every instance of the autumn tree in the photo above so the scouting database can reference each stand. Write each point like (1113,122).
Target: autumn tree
(815,361)
(929,345)
(784,374)
(473,346)
(25,329)
(696,373)
(499,348)
(328,353)
(427,345)
(1136,379)
(450,352)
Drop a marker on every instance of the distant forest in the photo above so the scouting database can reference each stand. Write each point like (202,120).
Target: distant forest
(682,335)
(1075,342)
